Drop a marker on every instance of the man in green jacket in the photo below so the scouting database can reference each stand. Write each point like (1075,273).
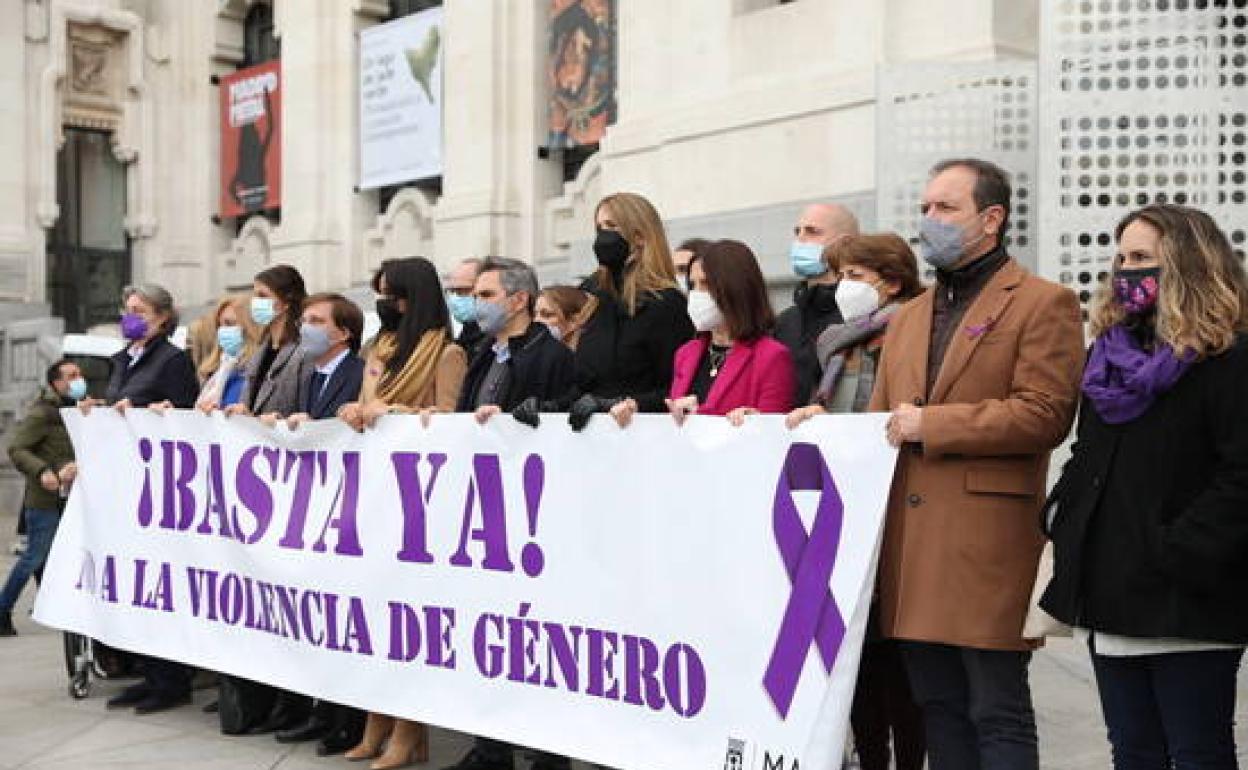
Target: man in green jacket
(41,450)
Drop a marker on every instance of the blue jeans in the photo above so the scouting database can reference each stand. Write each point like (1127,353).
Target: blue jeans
(40,530)
(1175,708)
(976,706)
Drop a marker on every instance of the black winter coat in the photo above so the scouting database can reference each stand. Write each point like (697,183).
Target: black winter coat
(798,327)
(1150,518)
(540,367)
(163,373)
(620,355)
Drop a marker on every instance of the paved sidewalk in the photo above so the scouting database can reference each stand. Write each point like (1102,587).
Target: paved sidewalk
(41,727)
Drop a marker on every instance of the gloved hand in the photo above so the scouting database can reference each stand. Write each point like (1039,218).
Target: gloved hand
(584,408)
(528,411)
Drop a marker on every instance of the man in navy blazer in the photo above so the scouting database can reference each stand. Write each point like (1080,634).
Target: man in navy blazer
(333,326)
(329,339)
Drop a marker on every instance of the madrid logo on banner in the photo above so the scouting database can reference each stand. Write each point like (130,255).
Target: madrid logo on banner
(401,100)
(251,148)
(706,587)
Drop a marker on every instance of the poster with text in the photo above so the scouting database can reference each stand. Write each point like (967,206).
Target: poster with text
(251,147)
(401,100)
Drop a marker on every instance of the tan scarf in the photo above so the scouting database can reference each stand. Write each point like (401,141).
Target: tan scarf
(413,385)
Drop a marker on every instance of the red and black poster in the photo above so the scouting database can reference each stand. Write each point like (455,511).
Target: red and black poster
(251,147)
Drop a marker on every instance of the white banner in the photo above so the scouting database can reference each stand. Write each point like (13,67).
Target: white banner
(401,100)
(641,598)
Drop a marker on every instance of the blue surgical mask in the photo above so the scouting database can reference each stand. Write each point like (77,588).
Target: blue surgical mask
(263,310)
(77,389)
(491,316)
(807,259)
(314,340)
(463,308)
(230,340)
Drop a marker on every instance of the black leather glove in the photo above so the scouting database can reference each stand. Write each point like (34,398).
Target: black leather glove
(585,407)
(528,411)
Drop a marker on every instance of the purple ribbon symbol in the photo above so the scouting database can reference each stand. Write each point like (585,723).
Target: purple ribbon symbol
(811,614)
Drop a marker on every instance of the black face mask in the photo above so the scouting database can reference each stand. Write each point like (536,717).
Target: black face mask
(611,249)
(389,314)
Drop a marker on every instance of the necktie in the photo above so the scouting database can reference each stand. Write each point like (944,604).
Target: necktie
(318,385)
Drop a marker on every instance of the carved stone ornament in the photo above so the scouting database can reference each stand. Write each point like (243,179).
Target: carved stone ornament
(95,92)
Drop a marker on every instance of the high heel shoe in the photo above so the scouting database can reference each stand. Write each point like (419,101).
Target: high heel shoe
(408,743)
(376,729)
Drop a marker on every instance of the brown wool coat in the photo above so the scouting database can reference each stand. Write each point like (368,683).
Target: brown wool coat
(962,540)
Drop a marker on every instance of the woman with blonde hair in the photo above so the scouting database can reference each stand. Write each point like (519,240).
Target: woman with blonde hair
(412,366)
(564,309)
(235,339)
(1150,536)
(625,352)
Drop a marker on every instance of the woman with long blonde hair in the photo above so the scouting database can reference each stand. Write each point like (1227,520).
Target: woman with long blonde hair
(235,339)
(1148,523)
(625,352)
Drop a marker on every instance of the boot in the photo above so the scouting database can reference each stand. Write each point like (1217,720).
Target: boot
(408,743)
(6,624)
(376,729)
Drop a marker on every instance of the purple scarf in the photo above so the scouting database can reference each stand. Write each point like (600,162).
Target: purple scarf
(1122,380)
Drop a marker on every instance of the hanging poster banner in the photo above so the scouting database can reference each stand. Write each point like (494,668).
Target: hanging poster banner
(705,587)
(401,100)
(580,71)
(251,146)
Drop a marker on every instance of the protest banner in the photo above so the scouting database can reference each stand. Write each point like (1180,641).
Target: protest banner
(653,597)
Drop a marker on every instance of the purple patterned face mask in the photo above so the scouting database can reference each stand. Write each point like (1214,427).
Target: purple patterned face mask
(1136,291)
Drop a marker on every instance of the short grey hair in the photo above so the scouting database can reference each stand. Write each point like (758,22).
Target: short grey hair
(514,275)
(158,297)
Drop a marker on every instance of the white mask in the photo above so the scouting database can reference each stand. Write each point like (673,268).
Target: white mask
(703,311)
(856,299)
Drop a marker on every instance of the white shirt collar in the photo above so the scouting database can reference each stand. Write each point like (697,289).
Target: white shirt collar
(328,369)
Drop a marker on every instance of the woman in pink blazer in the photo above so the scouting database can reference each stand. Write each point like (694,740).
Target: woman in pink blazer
(732,367)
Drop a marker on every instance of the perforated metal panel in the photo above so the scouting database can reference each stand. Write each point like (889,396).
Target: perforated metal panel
(929,112)
(1142,101)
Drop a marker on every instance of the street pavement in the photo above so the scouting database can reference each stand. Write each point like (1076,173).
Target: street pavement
(42,727)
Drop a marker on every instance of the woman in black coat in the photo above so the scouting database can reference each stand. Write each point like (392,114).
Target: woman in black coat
(1149,521)
(150,370)
(625,353)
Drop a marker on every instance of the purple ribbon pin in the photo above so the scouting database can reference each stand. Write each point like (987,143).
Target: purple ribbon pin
(811,614)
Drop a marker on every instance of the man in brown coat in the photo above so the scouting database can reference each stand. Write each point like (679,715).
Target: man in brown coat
(981,376)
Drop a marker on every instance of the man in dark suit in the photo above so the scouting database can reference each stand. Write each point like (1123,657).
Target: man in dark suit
(329,339)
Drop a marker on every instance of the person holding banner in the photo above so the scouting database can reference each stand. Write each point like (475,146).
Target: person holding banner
(877,275)
(980,374)
(412,367)
(235,340)
(277,368)
(524,362)
(563,309)
(1150,537)
(149,370)
(41,451)
(624,357)
(732,367)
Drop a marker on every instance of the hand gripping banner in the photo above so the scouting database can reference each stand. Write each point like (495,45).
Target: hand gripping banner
(563,591)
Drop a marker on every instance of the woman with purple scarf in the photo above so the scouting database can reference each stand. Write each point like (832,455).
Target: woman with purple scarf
(1149,520)
(878,274)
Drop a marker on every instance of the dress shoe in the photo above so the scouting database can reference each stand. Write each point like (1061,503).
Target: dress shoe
(6,624)
(314,727)
(347,731)
(159,701)
(288,711)
(212,707)
(130,696)
(479,759)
